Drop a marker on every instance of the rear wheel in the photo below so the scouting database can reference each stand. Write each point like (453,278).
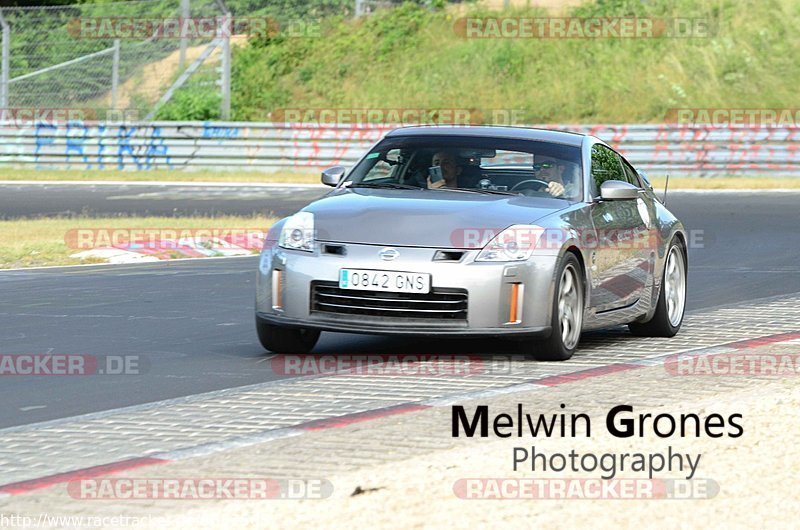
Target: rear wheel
(278,339)
(567,314)
(671,303)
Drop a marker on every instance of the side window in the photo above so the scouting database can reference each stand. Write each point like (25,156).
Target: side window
(606,165)
(386,166)
(630,174)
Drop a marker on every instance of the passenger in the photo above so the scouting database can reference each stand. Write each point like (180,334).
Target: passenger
(451,169)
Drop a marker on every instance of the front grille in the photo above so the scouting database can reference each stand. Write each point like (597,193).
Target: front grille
(440,304)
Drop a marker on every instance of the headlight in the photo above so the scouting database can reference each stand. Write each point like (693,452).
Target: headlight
(515,243)
(298,232)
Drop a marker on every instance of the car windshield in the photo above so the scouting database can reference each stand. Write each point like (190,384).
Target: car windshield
(476,164)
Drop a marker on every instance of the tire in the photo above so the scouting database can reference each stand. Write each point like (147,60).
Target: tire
(671,305)
(567,314)
(286,340)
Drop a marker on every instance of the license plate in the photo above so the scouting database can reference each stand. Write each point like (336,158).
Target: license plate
(388,281)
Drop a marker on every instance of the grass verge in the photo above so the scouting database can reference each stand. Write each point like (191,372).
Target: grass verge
(42,242)
(287,177)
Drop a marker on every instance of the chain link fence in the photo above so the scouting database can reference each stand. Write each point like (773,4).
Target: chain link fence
(95,61)
(121,61)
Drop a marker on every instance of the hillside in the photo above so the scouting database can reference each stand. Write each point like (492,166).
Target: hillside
(410,57)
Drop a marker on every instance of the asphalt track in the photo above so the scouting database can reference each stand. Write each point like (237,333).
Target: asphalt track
(137,199)
(191,322)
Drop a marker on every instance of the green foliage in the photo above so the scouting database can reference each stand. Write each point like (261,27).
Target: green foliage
(412,57)
(195,104)
(41,38)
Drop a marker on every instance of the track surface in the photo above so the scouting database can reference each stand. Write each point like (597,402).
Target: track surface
(191,322)
(30,200)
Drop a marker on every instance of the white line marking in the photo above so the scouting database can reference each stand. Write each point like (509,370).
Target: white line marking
(151,263)
(738,190)
(145,406)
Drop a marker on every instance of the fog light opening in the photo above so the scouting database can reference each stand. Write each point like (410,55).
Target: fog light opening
(277,289)
(515,303)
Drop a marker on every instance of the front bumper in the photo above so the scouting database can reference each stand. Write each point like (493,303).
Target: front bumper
(389,329)
(490,290)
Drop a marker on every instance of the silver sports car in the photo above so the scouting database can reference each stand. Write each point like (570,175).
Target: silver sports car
(527,234)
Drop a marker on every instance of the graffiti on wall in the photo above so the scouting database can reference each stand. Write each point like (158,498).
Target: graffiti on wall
(271,147)
(100,146)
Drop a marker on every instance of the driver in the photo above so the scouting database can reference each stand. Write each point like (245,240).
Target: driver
(553,172)
(451,169)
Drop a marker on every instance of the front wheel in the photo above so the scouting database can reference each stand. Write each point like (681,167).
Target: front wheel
(278,339)
(671,303)
(567,314)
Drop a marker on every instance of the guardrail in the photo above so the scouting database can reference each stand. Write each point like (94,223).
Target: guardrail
(704,151)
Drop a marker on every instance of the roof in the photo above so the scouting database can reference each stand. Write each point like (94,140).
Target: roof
(488,131)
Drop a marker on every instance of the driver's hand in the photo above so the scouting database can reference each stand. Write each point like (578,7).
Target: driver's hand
(434,185)
(555,189)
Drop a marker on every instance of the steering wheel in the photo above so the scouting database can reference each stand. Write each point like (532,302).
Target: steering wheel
(414,177)
(529,185)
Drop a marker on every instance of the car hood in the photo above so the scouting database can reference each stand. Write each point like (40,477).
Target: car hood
(420,218)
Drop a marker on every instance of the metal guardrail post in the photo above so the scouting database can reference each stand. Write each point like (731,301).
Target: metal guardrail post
(115,75)
(225,110)
(359,9)
(185,14)
(224,35)
(4,66)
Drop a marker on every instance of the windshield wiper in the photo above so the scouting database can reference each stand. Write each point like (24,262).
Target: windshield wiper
(385,185)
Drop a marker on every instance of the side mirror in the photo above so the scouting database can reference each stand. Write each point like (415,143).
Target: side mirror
(332,175)
(618,190)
